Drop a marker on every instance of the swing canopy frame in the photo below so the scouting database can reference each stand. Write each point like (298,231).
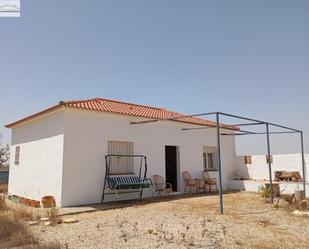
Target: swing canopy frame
(125,182)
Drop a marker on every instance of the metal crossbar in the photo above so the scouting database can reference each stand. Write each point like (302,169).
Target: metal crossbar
(239,132)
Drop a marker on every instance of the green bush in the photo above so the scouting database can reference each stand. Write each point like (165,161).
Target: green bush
(264,191)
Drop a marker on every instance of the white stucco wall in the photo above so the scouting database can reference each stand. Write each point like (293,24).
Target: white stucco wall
(39,172)
(258,170)
(253,186)
(62,154)
(86,136)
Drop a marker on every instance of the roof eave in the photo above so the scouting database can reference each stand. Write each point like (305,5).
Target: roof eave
(35,116)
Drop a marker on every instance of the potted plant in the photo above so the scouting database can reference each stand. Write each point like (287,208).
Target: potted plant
(48,201)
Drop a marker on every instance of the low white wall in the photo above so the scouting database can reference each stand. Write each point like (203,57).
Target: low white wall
(39,171)
(253,186)
(258,170)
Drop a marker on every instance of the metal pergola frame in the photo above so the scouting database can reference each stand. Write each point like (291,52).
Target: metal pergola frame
(239,132)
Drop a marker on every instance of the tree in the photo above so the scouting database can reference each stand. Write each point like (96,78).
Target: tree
(4,153)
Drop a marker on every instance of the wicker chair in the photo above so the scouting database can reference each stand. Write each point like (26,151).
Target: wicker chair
(209,181)
(161,187)
(189,182)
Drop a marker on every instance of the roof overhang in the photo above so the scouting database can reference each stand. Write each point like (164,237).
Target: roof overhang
(35,116)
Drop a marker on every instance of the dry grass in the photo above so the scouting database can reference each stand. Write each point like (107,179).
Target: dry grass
(2,204)
(14,232)
(53,216)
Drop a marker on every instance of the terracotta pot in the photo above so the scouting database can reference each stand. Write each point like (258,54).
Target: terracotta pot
(48,201)
(21,200)
(31,203)
(34,203)
(27,202)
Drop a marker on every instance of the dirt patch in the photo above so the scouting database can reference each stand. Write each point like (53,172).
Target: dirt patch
(194,222)
(15,234)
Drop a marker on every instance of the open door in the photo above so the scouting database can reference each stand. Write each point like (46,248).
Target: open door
(171,165)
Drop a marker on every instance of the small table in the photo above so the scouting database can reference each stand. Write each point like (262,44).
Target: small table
(199,184)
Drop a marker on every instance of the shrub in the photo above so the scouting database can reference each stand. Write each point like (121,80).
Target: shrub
(264,191)
(53,216)
(288,198)
(2,203)
(13,233)
(21,213)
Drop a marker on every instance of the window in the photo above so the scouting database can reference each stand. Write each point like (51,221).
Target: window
(210,158)
(121,165)
(17,152)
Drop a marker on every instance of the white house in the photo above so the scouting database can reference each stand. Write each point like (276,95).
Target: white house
(61,151)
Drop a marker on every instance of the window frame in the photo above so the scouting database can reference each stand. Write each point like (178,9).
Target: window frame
(121,165)
(213,151)
(17,155)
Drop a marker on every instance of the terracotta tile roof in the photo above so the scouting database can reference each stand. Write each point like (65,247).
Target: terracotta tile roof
(118,107)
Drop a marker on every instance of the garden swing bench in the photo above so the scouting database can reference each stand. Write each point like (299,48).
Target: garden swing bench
(127,181)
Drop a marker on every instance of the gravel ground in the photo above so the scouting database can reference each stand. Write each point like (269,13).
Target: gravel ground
(185,223)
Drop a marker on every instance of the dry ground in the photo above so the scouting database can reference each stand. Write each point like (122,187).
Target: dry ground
(194,222)
(14,232)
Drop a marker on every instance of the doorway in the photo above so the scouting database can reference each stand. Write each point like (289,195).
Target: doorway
(171,166)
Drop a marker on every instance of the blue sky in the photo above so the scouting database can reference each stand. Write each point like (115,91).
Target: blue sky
(245,57)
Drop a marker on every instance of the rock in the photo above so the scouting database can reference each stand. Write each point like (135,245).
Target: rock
(299,195)
(69,220)
(33,223)
(44,219)
(301,213)
(303,205)
(47,223)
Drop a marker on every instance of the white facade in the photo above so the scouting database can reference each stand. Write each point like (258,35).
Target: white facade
(62,154)
(39,171)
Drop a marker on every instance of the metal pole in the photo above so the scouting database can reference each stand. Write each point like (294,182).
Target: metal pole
(104,184)
(303,161)
(219,162)
(269,164)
